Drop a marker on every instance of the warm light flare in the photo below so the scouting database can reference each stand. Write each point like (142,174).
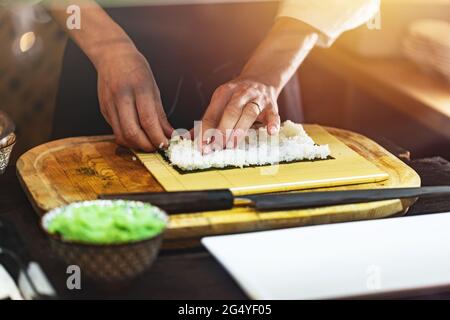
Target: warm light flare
(27,41)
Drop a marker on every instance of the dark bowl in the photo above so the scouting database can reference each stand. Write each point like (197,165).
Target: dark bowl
(7,140)
(108,263)
(6,147)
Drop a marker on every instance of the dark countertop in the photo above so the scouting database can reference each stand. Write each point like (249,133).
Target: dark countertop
(184,274)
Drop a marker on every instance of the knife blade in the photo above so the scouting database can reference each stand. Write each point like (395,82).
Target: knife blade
(329,198)
(223,199)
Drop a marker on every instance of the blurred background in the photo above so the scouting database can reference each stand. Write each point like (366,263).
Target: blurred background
(392,83)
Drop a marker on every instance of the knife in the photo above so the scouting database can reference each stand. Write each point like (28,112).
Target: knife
(223,199)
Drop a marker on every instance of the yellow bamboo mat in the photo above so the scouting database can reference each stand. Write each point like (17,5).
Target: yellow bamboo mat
(347,167)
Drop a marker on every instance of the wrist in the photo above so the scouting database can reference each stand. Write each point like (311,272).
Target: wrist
(278,57)
(108,50)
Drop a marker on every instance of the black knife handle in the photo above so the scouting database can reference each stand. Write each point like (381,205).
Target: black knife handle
(287,201)
(183,201)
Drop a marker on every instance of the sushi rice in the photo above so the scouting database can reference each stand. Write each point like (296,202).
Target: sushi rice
(291,144)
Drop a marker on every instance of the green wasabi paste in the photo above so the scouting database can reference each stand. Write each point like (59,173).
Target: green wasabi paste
(115,223)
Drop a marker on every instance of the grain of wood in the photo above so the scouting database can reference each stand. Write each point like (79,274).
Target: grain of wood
(76,169)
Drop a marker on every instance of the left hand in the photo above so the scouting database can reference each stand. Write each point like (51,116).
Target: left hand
(236,106)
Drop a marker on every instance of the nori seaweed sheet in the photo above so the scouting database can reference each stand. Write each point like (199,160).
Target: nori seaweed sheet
(181,171)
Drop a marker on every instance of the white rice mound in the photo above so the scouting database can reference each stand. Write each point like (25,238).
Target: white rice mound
(291,144)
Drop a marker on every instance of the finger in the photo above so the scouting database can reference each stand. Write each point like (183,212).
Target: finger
(219,100)
(108,111)
(249,116)
(129,123)
(272,120)
(232,114)
(165,124)
(104,110)
(214,112)
(149,117)
(208,133)
(105,101)
(115,125)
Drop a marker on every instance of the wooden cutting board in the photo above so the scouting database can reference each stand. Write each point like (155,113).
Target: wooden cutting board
(76,169)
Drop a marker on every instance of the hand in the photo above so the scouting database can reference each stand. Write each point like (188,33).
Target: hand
(253,96)
(130,100)
(237,105)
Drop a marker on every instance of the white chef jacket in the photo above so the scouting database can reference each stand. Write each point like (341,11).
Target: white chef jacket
(330,17)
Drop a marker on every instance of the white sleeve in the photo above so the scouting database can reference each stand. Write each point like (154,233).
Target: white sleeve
(330,17)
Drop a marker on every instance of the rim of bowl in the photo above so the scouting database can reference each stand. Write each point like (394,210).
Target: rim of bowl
(59,210)
(9,141)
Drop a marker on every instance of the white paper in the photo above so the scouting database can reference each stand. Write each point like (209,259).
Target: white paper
(339,260)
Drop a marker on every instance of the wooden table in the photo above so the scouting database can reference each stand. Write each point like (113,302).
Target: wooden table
(187,274)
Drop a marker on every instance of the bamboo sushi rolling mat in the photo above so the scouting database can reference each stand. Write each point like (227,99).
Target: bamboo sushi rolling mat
(77,169)
(347,167)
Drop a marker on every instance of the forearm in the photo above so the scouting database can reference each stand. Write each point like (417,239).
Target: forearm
(98,35)
(280,54)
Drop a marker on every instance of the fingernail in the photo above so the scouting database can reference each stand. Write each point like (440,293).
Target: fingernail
(163,144)
(273,130)
(207,149)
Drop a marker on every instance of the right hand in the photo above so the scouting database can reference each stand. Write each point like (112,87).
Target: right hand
(130,100)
